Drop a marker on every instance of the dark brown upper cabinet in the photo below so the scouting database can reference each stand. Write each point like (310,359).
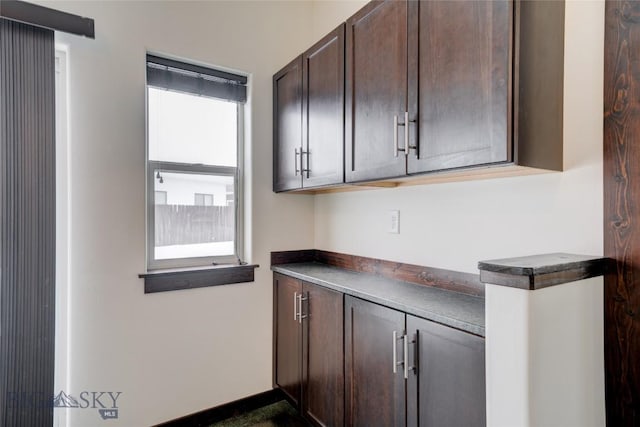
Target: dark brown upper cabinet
(287,127)
(376,91)
(460,83)
(428,87)
(309,117)
(323,111)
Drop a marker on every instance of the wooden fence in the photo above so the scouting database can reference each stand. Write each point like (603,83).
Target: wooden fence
(183,225)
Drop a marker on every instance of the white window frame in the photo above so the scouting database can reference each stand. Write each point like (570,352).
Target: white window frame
(238,174)
(63,228)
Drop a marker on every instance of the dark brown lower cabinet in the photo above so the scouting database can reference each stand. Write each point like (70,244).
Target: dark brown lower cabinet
(309,350)
(375,393)
(287,336)
(342,360)
(447,386)
(403,370)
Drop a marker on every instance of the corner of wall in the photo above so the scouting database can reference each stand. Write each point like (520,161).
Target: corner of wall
(327,14)
(583,78)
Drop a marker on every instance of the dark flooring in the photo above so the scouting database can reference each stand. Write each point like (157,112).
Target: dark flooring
(277,414)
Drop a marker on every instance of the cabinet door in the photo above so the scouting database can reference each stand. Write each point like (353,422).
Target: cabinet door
(287,336)
(462,82)
(287,127)
(375,395)
(323,356)
(376,90)
(447,387)
(323,111)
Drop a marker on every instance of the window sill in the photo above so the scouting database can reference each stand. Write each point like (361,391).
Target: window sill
(200,277)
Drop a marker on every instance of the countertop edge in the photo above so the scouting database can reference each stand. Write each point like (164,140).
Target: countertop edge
(541,271)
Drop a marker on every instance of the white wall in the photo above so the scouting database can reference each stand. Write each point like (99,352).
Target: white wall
(538,385)
(455,225)
(173,353)
(328,14)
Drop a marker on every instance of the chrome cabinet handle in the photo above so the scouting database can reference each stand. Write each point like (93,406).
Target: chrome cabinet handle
(306,169)
(395,351)
(395,355)
(407,147)
(295,160)
(301,316)
(406,133)
(405,338)
(395,148)
(407,368)
(295,306)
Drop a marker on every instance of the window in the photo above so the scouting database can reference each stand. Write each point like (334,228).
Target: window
(194,159)
(203,199)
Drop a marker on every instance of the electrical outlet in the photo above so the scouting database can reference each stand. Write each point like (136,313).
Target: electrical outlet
(394,222)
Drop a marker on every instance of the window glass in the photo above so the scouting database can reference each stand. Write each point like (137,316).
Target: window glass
(161,197)
(196,218)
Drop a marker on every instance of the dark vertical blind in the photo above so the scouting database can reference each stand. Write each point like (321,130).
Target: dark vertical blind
(27,224)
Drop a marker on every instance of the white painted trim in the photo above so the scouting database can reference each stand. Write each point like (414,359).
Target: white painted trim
(63,232)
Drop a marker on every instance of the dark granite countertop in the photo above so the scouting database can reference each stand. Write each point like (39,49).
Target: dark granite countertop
(540,264)
(460,311)
(541,271)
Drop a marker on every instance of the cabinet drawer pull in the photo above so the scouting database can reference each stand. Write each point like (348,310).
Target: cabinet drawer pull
(295,160)
(295,306)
